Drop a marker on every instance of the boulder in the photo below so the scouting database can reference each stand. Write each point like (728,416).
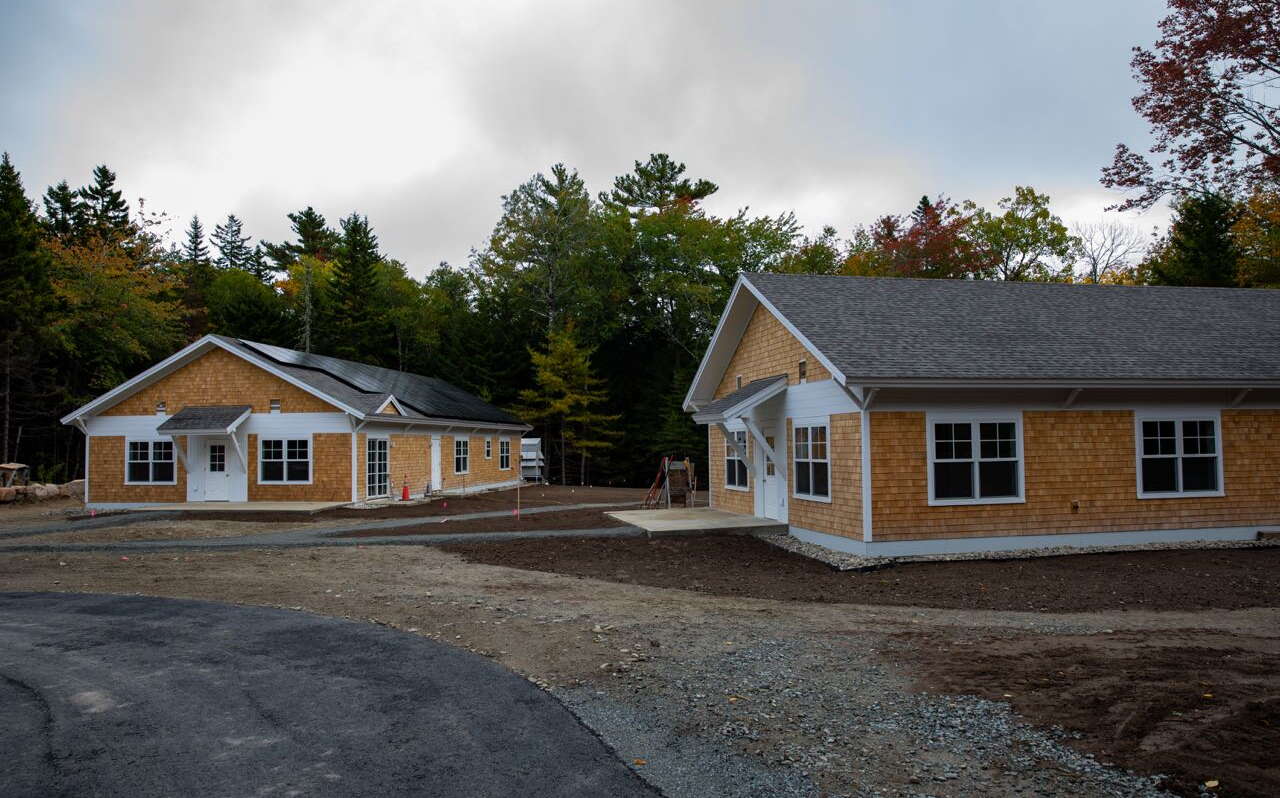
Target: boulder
(8,495)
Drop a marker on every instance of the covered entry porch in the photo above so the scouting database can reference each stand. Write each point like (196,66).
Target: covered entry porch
(754,427)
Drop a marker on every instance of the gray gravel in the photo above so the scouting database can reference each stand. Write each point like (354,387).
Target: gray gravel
(775,717)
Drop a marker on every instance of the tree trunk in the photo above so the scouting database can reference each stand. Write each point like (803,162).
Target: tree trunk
(8,391)
(564,469)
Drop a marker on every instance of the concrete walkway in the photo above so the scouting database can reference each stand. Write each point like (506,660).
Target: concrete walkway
(701,519)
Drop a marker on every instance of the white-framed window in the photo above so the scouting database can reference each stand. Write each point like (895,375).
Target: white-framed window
(735,468)
(488,448)
(284,461)
(504,454)
(1179,454)
(975,459)
(149,463)
(461,456)
(377,467)
(737,382)
(802,371)
(811,456)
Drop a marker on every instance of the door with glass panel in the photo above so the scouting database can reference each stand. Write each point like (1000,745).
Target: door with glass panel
(378,481)
(215,474)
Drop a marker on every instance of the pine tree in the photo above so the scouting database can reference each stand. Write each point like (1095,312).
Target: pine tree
(1200,249)
(63,212)
(354,316)
(106,212)
(233,247)
(313,237)
(194,250)
(24,293)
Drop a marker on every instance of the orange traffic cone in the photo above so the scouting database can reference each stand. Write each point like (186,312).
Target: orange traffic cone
(404,492)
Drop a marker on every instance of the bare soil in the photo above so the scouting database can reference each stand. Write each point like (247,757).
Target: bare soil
(31,513)
(745,566)
(563,519)
(1186,703)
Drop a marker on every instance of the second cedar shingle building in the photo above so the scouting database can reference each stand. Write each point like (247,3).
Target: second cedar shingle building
(893,416)
(232,420)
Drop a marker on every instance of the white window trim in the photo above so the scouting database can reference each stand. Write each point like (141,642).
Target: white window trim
(809,423)
(488,448)
(976,417)
(1177,416)
(367,439)
(729,452)
(150,441)
(802,371)
(311,459)
(457,441)
(501,442)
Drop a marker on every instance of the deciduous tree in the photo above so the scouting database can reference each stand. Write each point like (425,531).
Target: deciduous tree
(1208,93)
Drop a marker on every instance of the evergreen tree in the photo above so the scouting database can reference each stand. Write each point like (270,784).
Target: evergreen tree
(63,212)
(355,319)
(312,237)
(1200,249)
(194,250)
(233,247)
(24,292)
(258,266)
(241,306)
(106,212)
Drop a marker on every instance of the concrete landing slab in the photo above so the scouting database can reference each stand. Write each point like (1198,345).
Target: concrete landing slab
(241,507)
(697,519)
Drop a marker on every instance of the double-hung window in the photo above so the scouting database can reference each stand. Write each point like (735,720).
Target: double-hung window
(504,454)
(1179,456)
(975,461)
(488,448)
(812,462)
(461,455)
(735,468)
(284,461)
(150,463)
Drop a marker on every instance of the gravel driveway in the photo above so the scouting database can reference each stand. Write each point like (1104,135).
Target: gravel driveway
(132,696)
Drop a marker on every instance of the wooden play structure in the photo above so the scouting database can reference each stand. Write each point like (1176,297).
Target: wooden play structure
(674,486)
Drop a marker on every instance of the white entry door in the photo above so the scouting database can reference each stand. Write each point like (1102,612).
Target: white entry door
(216,477)
(772,492)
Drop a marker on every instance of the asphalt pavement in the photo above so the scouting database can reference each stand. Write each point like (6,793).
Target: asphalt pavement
(137,696)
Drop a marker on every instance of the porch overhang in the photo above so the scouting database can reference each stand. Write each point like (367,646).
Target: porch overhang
(205,420)
(742,401)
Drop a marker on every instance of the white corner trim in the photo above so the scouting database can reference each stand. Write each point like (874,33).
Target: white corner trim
(864,422)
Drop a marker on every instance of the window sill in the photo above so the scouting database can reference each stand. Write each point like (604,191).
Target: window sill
(270,483)
(148,484)
(818,499)
(738,489)
(1198,494)
(965,502)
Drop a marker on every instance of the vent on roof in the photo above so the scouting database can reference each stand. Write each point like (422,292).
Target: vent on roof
(160,408)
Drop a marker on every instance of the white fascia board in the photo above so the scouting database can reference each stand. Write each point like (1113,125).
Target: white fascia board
(836,373)
(184,356)
(716,342)
(394,402)
(179,358)
(1067,384)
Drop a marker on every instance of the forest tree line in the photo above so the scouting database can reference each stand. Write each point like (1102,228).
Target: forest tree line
(587,313)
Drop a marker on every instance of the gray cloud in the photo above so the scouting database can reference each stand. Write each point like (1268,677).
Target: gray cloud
(422,115)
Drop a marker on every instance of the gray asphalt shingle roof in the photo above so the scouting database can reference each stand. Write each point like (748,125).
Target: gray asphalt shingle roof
(365,388)
(878,328)
(739,396)
(204,417)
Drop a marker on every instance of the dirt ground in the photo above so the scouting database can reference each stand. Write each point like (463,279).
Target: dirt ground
(722,693)
(158,529)
(563,519)
(744,566)
(531,496)
(32,513)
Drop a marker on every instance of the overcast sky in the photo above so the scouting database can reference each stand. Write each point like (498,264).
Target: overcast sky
(421,115)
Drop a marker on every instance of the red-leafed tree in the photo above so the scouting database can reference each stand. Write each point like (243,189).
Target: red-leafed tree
(933,241)
(1211,87)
